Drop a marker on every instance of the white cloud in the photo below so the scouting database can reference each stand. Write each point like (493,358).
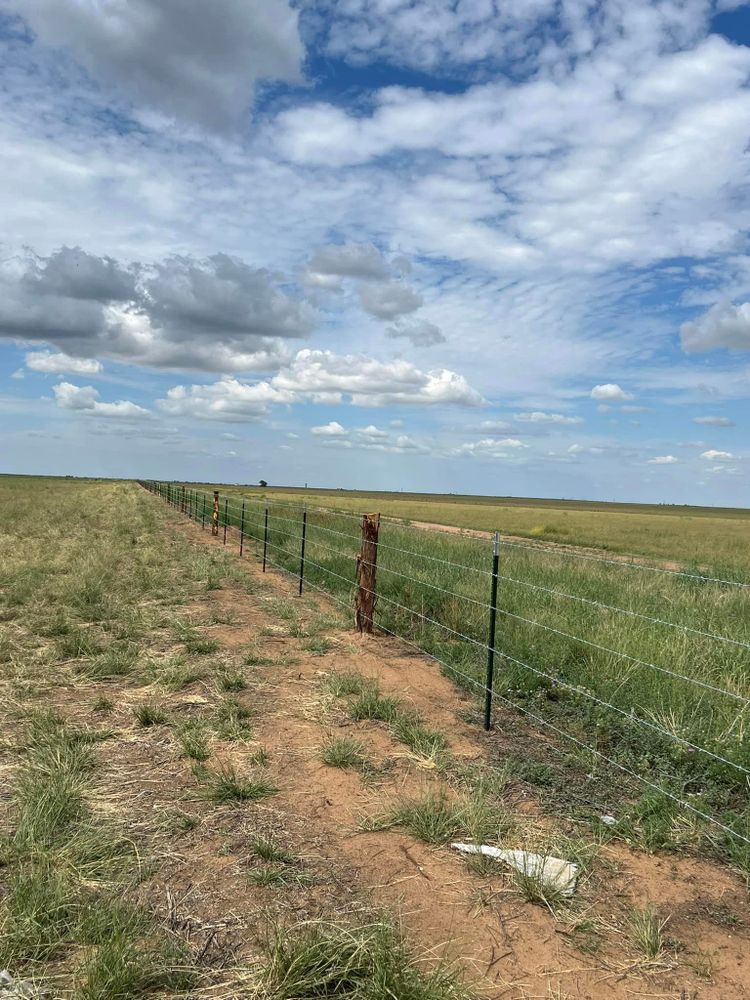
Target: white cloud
(322,377)
(713,421)
(188,59)
(538,417)
(85,399)
(662,460)
(724,325)
(332,429)
(371,431)
(489,447)
(60,364)
(610,391)
(712,455)
(228,399)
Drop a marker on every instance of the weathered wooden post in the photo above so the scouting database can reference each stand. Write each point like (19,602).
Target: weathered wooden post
(215,515)
(364,603)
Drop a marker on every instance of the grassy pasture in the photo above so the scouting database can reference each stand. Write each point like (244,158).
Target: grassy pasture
(692,536)
(637,690)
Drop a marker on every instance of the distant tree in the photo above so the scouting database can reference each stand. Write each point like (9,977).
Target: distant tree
(263,483)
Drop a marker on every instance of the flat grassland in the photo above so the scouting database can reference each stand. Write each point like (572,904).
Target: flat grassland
(650,668)
(197,763)
(693,536)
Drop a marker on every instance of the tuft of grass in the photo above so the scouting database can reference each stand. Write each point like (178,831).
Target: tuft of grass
(362,963)
(225,785)
(534,888)
(179,675)
(278,877)
(646,931)
(149,714)
(371,704)
(408,728)
(318,646)
(117,661)
(432,818)
(102,704)
(231,680)
(123,966)
(78,642)
(194,742)
(344,752)
(200,646)
(231,721)
(267,850)
(340,685)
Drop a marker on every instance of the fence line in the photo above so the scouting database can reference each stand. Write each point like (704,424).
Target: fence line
(261,531)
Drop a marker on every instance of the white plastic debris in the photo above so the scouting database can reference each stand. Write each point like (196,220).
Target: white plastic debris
(18,989)
(554,872)
(608,820)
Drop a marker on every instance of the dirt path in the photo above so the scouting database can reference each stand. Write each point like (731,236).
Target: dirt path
(206,878)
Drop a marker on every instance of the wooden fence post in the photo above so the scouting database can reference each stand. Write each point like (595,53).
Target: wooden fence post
(364,605)
(215,515)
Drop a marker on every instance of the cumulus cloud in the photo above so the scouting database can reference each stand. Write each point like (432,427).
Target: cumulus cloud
(332,429)
(61,364)
(662,460)
(206,314)
(538,417)
(326,376)
(420,332)
(322,377)
(713,421)
(712,455)
(85,399)
(371,431)
(189,59)
(724,325)
(611,392)
(489,447)
(388,299)
(228,399)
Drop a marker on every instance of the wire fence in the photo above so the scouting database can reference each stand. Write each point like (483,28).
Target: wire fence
(643,668)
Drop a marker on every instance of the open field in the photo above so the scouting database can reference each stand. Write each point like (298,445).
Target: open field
(692,536)
(648,669)
(197,763)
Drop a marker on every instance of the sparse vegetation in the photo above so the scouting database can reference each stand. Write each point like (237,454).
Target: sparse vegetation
(225,784)
(344,752)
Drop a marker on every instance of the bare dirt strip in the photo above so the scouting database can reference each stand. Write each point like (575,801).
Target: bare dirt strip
(203,881)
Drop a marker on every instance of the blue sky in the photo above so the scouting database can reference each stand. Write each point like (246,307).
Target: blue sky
(480,246)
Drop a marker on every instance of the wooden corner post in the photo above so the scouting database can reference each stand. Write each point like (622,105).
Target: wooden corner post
(215,514)
(367,561)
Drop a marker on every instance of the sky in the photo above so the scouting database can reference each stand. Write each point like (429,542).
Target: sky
(469,246)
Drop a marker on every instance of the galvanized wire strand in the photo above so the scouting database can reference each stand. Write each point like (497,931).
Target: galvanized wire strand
(577,690)
(624,611)
(423,555)
(539,719)
(605,649)
(572,597)
(561,732)
(623,563)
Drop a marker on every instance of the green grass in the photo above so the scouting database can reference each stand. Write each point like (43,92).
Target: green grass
(360,963)
(194,742)
(561,652)
(344,752)
(224,784)
(231,721)
(646,929)
(149,714)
